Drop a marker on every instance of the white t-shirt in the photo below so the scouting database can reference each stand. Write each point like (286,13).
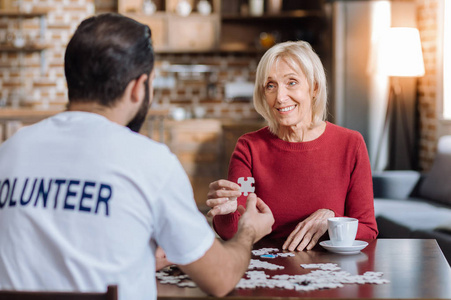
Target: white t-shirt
(83,203)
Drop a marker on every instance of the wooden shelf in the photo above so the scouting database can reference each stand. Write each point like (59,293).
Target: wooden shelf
(38,45)
(238,48)
(32,48)
(16,13)
(295,14)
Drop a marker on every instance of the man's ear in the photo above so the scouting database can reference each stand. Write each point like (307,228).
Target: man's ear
(138,88)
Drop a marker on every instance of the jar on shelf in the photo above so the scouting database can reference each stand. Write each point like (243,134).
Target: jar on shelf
(149,7)
(204,7)
(183,8)
(256,7)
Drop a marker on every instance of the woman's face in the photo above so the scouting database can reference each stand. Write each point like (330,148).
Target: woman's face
(288,95)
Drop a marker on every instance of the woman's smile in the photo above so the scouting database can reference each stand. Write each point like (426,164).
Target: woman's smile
(286,109)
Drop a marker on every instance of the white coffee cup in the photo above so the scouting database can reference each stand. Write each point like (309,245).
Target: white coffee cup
(342,231)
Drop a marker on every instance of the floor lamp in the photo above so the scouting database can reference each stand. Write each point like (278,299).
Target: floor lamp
(400,56)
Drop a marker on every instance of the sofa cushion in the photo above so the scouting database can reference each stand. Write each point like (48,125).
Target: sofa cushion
(445,227)
(437,184)
(414,214)
(394,184)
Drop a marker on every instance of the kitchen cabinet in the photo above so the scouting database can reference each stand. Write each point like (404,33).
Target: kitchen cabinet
(172,32)
(196,33)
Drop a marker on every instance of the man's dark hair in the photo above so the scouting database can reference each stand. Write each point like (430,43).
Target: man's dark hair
(106,52)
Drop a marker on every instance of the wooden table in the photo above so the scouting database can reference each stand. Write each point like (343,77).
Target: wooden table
(416,269)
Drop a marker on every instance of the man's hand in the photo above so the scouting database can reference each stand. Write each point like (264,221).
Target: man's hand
(160,259)
(257,216)
(222,197)
(308,232)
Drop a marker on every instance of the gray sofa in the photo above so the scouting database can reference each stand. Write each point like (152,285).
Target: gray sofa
(412,205)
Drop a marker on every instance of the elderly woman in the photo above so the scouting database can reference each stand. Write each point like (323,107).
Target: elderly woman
(305,169)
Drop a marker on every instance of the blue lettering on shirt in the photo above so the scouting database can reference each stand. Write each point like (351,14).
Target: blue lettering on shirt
(86,195)
(104,198)
(43,193)
(66,194)
(12,201)
(22,200)
(70,193)
(58,183)
(4,192)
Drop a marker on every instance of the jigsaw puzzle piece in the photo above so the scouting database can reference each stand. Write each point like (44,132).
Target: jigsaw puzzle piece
(247,186)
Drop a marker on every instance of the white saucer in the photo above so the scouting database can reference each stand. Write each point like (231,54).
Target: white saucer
(354,249)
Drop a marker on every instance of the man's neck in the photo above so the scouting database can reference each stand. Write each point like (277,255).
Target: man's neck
(114,114)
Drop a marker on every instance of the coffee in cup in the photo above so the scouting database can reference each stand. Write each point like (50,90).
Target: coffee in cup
(342,231)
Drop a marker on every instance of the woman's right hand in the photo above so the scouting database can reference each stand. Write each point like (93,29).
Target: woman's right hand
(222,197)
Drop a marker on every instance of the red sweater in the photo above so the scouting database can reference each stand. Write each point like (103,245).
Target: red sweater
(296,179)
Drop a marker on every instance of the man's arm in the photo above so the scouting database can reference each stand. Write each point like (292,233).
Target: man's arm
(223,265)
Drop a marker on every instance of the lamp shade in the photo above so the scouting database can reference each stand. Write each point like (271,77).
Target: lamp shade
(400,53)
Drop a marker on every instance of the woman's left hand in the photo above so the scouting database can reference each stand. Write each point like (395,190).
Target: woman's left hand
(308,232)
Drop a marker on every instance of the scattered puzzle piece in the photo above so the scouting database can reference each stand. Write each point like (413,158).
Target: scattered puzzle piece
(246,185)
(259,264)
(326,267)
(285,254)
(322,276)
(263,251)
(268,256)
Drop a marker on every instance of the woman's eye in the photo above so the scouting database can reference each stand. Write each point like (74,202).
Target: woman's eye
(292,83)
(269,86)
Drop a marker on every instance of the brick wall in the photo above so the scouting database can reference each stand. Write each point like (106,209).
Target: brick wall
(427,85)
(36,79)
(206,89)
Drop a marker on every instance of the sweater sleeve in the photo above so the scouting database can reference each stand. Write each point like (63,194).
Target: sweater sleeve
(359,199)
(240,166)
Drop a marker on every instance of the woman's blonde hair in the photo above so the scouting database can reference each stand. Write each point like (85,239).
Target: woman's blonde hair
(301,57)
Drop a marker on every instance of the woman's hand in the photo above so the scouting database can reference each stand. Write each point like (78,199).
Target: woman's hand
(308,232)
(222,197)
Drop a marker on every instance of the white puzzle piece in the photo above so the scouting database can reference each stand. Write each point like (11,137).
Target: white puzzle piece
(247,185)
